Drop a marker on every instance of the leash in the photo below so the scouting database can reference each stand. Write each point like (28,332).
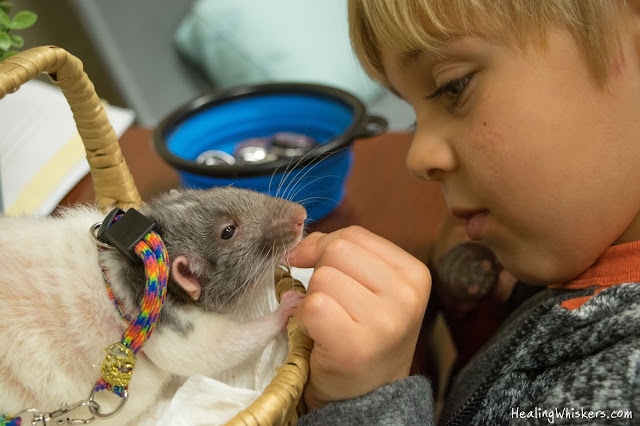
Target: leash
(132,234)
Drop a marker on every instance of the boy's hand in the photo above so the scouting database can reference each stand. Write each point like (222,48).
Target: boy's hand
(363,309)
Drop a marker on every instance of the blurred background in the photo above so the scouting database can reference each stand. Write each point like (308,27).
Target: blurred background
(147,59)
(130,52)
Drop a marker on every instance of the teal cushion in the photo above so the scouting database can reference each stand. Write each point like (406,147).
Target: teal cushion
(237,42)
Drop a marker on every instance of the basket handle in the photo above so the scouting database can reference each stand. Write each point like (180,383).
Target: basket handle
(112,180)
(281,402)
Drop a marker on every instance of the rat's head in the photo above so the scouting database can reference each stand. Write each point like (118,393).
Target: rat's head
(221,240)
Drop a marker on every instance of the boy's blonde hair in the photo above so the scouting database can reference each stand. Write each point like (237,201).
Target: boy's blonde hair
(410,26)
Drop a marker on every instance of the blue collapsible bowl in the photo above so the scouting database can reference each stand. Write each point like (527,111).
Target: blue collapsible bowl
(219,121)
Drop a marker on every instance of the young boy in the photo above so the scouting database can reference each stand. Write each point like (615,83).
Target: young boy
(528,114)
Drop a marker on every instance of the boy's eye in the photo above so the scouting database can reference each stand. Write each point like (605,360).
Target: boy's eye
(228,232)
(454,88)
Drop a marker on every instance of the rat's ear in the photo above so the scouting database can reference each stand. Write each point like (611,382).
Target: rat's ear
(174,192)
(183,275)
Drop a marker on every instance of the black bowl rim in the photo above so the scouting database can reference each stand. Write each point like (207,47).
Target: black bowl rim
(235,171)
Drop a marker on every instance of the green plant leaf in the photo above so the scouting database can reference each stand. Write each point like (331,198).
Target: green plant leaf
(6,6)
(4,19)
(16,40)
(8,54)
(23,19)
(5,41)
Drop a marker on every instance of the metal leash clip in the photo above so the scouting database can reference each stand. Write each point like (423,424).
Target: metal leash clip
(60,416)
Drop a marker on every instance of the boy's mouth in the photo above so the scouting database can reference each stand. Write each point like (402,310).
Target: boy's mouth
(474,221)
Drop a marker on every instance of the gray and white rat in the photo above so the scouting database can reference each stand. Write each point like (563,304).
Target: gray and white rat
(56,317)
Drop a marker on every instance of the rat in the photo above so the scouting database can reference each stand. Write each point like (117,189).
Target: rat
(56,317)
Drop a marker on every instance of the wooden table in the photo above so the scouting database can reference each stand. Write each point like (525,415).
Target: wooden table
(380,194)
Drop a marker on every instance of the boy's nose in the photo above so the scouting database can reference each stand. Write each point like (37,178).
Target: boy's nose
(430,156)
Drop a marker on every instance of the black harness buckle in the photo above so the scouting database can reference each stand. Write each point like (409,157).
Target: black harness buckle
(125,233)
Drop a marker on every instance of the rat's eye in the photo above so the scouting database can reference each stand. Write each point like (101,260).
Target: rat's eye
(228,232)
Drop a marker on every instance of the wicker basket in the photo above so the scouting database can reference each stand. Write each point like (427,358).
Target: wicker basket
(281,402)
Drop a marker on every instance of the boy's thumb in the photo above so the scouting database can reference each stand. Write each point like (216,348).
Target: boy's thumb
(306,253)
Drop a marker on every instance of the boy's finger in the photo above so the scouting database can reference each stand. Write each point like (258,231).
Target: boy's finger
(306,254)
(354,298)
(361,265)
(319,316)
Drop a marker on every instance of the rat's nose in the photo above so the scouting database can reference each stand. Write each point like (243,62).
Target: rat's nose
(288,225)
(430,156)
(299,215)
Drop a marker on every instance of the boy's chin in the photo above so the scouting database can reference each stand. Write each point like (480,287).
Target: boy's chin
(526,267)
(539,272)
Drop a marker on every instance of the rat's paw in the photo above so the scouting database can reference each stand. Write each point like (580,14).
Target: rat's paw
(288,303)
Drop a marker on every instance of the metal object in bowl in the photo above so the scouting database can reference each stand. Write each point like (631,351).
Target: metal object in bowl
(289,144)
(254,151)
(254,154)
(215,157)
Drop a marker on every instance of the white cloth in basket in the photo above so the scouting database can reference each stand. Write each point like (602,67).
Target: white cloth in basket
(201,400)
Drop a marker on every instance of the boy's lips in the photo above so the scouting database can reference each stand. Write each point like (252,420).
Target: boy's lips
(475,221)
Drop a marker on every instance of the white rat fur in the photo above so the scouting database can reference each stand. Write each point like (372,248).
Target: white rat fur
(56,318)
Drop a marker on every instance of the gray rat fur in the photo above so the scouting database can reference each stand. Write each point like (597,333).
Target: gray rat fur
(57,317)
(266,228)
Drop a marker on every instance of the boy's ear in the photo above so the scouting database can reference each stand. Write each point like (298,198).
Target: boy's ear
(184,276)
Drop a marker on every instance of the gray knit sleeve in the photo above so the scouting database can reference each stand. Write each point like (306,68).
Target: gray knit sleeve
(404,402)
